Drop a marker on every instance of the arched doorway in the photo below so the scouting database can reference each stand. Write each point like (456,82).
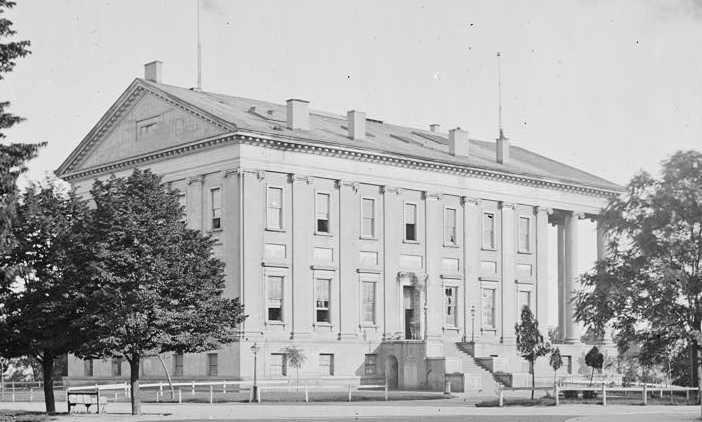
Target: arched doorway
(391,372)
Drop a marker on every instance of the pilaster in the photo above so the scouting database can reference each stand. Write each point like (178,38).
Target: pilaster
(560,240)
(471,260)
(349,231)
(392,316)
(433,230)
(253,224)
(302,232)
(195,201)
(509,287)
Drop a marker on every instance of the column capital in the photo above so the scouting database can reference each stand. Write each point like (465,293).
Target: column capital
(539,209)
(391,189)
(233,172)
(300,178)
(345,183)
(466,200)
(434,196)
(506,205)
(196,179)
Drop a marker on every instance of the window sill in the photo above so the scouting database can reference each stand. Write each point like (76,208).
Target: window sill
(323,325)
(412,242)
(489,278)
(268,229)
(369,270)
(451,328)
(372,238)
(492,329)
(276,264)
(323,267)
(489,248)
(323,234)
(523,252)
(368,325)
(452,276)
(452,245)
(280,323)
(216,231)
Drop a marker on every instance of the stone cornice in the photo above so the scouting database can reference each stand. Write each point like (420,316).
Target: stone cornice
(302,146)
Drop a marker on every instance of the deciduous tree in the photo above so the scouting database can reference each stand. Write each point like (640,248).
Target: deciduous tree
(151,285)
(39,304)
(649,288)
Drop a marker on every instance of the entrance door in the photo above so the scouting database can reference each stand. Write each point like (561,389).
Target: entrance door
(391,373)
(408,302)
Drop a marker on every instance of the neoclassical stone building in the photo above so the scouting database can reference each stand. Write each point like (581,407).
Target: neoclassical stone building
(385,252)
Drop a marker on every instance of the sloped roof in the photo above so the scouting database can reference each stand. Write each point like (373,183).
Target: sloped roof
(331,129)
(270,118)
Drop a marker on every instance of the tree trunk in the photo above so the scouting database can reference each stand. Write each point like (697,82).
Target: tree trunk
(533,378)
(134,382)
(168,375)
(694,364)
(47,366)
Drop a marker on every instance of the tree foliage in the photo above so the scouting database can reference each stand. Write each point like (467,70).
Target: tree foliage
(649,287)
(39,305)
(594,359)
(296,358)
(150,285)
(530,342)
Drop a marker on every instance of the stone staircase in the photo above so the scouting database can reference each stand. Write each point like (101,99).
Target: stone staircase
(470,366)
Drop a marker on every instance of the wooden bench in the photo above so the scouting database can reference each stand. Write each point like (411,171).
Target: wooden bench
(87,399)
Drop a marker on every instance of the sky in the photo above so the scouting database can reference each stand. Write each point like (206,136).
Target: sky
(611,87)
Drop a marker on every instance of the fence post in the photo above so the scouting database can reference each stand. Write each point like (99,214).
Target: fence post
(180,396)
(258,395)
(115,396)
(386,391)
(193,388)
(156,396)
(31,393)
(687,396)
(160,387)
(307,396)
(557,394)
(499,398)
(604,395)
(211,390)
(349,392)
(224,387)
(645,395)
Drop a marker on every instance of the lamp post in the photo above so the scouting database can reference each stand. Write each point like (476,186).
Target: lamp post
(472,319)
(254,350)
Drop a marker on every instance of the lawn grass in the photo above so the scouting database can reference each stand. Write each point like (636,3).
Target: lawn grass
(22,416)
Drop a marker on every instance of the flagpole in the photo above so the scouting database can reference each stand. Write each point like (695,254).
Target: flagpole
(199,50)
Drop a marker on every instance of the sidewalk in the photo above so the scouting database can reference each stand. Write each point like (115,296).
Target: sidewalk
(360,410)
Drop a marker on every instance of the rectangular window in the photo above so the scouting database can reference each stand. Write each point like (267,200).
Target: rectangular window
(371,366)
(368,217)
(326,364)
(450,302)
(216,204)
(279,364)
(488,230)
(212,361)
(489,308)
(178,364)
(411,222)
(524,234)
(274,206)
(88,368)
(116,367)
(523,299)
(322,206)
(275,298)
(368,302)
(322,299)
(449,226)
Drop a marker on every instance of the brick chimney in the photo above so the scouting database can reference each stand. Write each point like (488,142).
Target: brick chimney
(298,114)
(435,127)
(502,149)
(356,124)
(152,71)
(458,142)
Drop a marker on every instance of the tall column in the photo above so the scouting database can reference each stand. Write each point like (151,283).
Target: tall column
(602,252)
(560,251)
(509,288)
(393,317)
(471,261)
(541,266)
(302,232)
(348,258)
(571,275)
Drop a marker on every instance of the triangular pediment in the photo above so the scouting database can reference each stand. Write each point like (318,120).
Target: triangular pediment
(142,121)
